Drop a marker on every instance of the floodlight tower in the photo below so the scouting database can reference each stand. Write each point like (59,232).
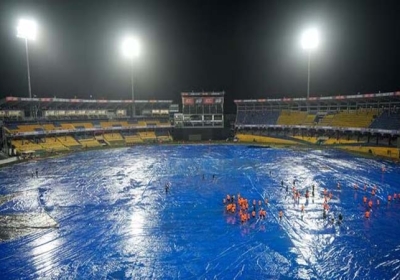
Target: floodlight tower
(27,30)
(131,50)
(309,42)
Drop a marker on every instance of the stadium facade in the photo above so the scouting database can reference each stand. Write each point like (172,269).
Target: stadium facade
(41,126)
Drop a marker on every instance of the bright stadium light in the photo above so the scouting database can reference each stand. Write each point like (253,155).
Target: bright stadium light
(310,39)
(309,42)
(131,49)
(27,30)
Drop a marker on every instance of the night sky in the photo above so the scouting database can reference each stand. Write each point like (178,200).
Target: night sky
(249,49)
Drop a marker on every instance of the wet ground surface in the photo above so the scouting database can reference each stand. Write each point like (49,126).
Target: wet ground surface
(106,215)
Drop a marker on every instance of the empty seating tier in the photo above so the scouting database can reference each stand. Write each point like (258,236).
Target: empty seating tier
(291,117)
(113,139)
(52,144)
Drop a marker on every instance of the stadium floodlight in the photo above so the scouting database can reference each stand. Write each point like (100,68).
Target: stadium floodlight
(310,39)
(131,49)
(27,30)
(309,42)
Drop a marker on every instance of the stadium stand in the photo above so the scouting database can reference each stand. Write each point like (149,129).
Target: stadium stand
(367,123)
(163,136)
(29,128)
(72,124)
(288,117)
(66,126)
(148,136)
(70,142)
(48,126)
(114,139)
(82,125)
(89,143)
(388,120)
(27,145)
(309,120)
(326,120)
(131,139)
(350,121)
(258,117)
(114,124)
(132,122)
(51,144)
(356,118)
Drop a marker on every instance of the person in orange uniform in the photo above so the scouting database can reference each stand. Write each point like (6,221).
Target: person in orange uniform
(243,218)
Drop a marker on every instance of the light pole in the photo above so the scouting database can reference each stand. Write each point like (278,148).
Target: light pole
(309,42)
(131,50)
(27,30)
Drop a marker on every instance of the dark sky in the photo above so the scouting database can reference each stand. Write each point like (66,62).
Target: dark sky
(249,49)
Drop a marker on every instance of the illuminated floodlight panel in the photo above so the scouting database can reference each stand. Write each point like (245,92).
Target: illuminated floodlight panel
(131,47)
(310,39)
(27,29)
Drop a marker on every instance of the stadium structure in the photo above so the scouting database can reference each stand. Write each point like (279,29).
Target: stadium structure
(366,123)
(41,126)
(202,117)
(37,126)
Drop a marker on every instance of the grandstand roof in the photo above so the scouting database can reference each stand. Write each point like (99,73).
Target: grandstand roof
(220,93)
(22,102)
(387,97)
